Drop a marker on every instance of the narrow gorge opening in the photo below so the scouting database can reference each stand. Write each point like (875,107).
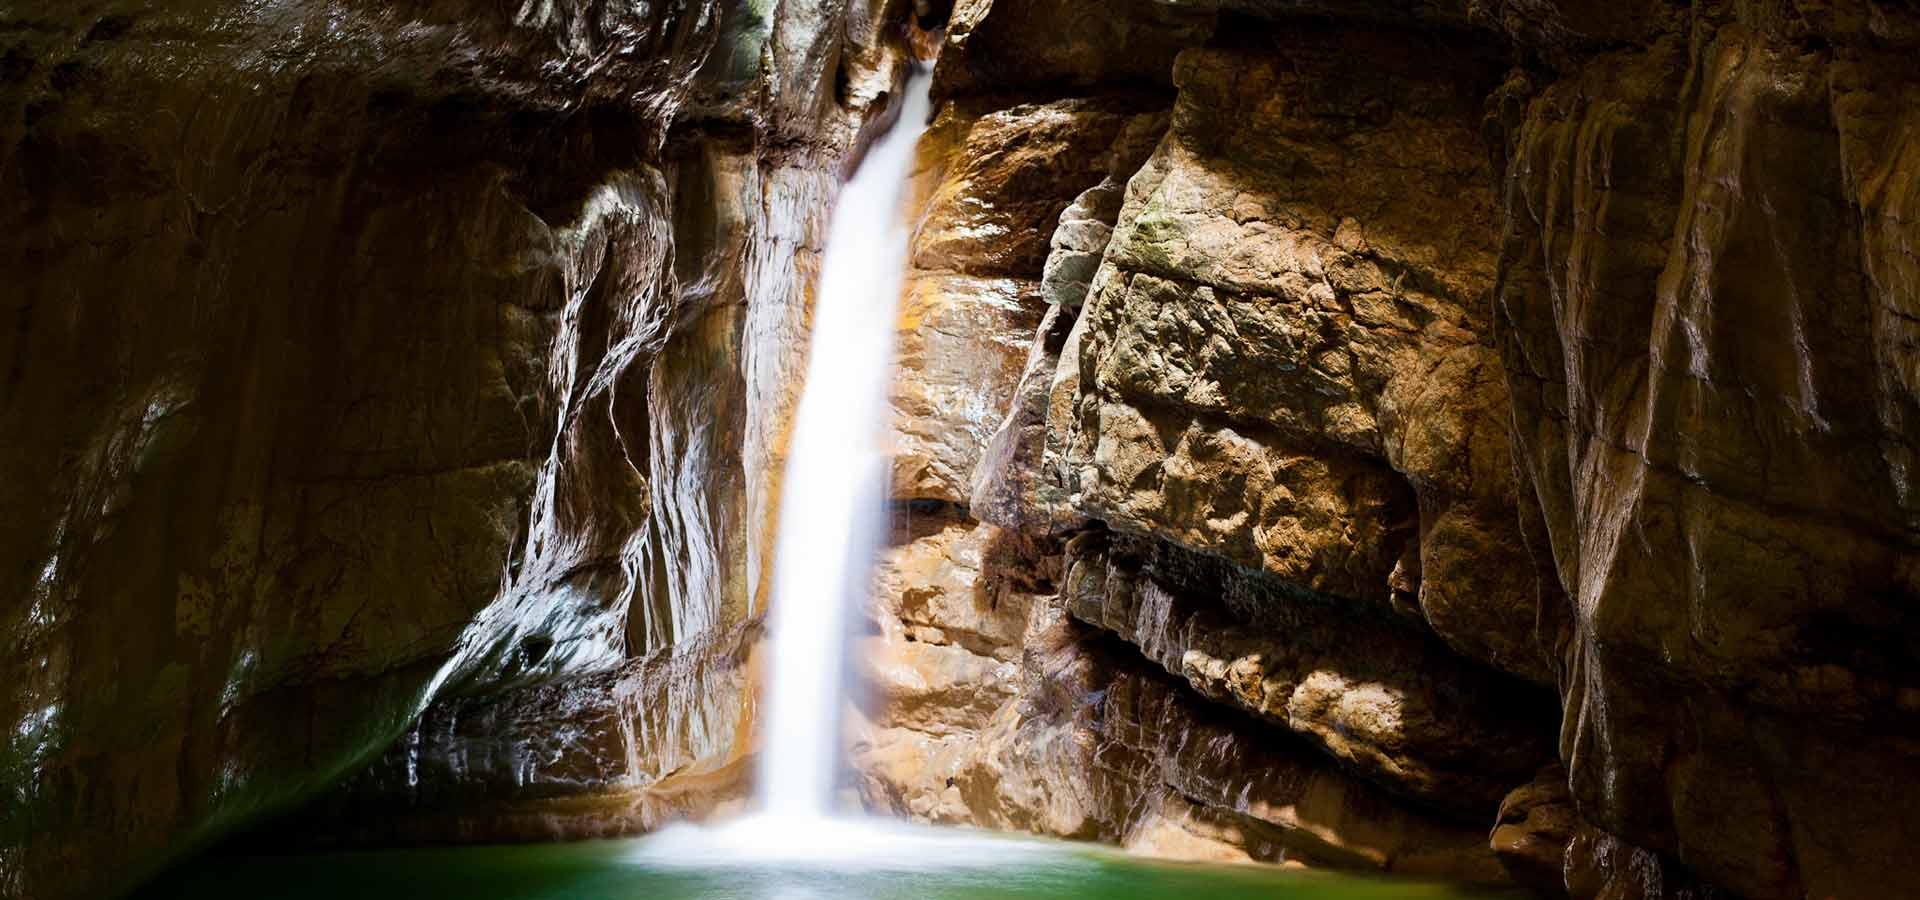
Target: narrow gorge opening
(1007,448)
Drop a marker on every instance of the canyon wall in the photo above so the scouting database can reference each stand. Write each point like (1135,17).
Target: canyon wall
(376,363)
(1468,440)
(1493,418)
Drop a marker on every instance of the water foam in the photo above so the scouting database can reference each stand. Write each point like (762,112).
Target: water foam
(832,500)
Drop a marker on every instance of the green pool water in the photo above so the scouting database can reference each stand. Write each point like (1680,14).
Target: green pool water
(921,864)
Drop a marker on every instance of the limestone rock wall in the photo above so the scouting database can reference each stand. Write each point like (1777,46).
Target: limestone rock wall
(1468,440)
(1510,405)
(1711,360)
(371,361)
(1264,366)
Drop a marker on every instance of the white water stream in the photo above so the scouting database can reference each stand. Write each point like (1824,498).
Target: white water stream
(832,512)
(832,501)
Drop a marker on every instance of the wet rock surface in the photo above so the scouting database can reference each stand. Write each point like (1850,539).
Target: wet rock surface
(366,354)
(1470,440)
(1724,496)
(658,739)
(1489,338)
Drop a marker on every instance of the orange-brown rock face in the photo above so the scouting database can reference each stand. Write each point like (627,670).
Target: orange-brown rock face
(1540,344)
(1249,347)
(991,188)
(1286,358)
(994,706)
(1463,439)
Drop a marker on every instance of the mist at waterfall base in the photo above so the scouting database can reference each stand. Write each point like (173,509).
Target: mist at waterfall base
(833,494)
(832,510)
(793,844)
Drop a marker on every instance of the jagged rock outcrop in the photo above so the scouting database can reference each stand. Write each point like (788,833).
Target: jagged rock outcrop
(1573,337)
(1397,706)
(1167,245)
(1287,359)
(1298,398)
(366,353)
(996,707)
(989,187)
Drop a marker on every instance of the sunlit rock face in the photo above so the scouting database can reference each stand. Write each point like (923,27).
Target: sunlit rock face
(1435,359)
(368,358)
(1222,340)
(1462,439)
(1286,357)
(990,186)
(994,706)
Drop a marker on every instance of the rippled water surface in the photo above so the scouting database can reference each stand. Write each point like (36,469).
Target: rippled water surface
(912,864)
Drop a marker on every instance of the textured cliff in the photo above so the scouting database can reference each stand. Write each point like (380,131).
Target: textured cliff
(1709,337)
(366,354)
(1459,439)
(1264,352)
(1432,358)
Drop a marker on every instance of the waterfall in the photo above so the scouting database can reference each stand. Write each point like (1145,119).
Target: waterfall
(832,509)
(832,500)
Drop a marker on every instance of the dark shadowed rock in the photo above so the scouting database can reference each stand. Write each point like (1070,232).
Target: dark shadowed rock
(363,353)
(1714,410)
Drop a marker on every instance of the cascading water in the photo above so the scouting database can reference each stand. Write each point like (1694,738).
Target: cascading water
(832,498)
(832,509)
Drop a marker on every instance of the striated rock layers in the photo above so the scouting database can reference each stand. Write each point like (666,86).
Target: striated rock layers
(1502,413)
(1246,580)
(1459,439)
(1709,330)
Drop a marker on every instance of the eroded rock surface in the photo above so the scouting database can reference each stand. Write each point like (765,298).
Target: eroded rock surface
(1295,397)
(1287,359)
(1529,344)
(994,706)
(361,354)
(1397,706)
(970,723)
(990,187)
(1714,410)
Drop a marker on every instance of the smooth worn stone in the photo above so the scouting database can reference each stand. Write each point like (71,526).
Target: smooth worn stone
(1536,825)
(1724,502)
(370,359)
(1463,440)
(579,756)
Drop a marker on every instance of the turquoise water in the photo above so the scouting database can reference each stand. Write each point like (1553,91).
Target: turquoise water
(943,867)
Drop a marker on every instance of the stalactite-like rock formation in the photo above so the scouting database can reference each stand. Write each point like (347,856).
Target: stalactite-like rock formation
(1472,440)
